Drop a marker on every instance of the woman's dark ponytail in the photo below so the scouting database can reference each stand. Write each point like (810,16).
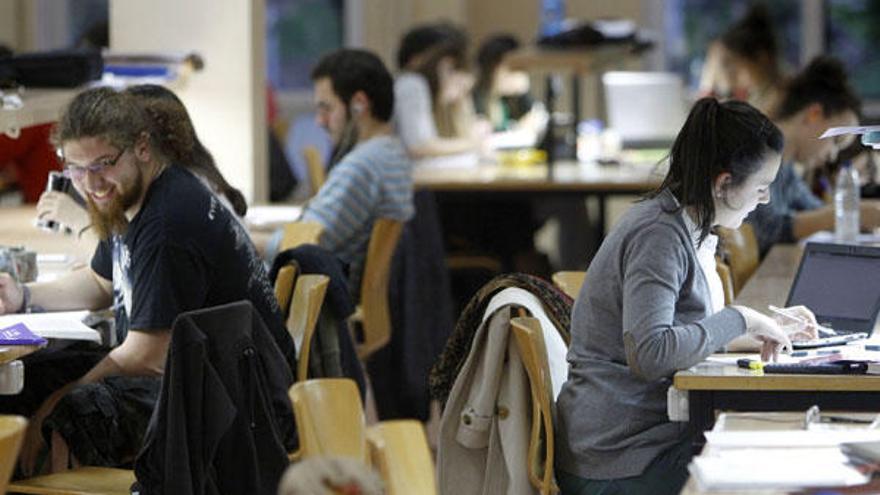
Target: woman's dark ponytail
(730,137)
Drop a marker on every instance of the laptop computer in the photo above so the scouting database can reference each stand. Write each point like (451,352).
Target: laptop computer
(840,283)
(647,109)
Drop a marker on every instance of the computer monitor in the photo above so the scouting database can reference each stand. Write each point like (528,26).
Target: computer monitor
(647,109)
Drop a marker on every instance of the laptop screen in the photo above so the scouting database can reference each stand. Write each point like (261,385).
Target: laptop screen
(839,283)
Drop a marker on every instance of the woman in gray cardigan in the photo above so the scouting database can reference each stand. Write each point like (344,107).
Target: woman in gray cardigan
(652,304)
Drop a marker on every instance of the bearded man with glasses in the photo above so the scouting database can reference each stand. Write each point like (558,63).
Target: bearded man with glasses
(167,246)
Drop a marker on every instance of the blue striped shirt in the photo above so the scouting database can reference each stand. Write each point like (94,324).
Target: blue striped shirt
(374,180)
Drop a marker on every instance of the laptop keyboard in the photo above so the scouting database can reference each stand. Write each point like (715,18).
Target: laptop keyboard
(839,339)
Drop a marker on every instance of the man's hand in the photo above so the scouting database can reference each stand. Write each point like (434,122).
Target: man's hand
(11,295)
(60,207)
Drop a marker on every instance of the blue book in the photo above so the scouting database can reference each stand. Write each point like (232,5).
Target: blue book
(19,334)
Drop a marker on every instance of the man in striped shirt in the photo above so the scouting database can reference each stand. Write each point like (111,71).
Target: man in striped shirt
(354,96)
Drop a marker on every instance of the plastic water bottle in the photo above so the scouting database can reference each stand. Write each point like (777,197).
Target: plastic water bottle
(552,17)
(846,204)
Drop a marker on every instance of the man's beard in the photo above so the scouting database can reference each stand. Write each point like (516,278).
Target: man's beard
(346,143)
(112,221)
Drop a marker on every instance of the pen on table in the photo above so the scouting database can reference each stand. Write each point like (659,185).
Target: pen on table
(799,319)
(872,347)
(750,364)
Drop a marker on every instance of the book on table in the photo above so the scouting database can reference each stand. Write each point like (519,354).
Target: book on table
(54,325)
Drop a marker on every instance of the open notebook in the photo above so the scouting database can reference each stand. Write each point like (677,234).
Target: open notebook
(54,325)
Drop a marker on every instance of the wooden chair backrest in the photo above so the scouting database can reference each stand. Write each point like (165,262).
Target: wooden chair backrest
(743,255)
(570,282)
(83,480)
(533,352)
(284,283)
(373,311)
(308,296)
(726,279)
(315,168)
(299,233)
(12,430)
(399,450)
(329,418)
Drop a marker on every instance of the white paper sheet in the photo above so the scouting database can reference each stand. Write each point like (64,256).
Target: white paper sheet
(55,325)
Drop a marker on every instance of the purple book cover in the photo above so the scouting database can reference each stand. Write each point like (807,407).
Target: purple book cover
(19,334)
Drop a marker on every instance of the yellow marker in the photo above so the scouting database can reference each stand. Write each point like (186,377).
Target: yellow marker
(750,364)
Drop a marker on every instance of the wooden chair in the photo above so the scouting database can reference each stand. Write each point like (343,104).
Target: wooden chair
(399,449)
(726,279)
(304,310)
(298,233)
(569,282)
(315,167)
(743,256)
(372,315)
(87,480)
(329,419)
(533,352)
(12,430)
(284,286)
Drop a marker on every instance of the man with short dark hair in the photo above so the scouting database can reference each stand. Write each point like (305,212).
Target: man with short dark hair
(354,96)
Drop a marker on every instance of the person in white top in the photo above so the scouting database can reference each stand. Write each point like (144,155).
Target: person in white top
(433,112)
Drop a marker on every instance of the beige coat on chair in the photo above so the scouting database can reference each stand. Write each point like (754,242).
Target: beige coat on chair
(484,430)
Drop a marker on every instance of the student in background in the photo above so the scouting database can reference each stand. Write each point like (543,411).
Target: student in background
(434,114)
(744,62)
(816,99)
(658,307)
(501,94)
(354,96)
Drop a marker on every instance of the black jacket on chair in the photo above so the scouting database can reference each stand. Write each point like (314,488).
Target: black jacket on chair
(223,413)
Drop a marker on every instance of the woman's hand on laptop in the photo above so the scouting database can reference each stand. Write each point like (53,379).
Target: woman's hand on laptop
(766,331)
(798,322)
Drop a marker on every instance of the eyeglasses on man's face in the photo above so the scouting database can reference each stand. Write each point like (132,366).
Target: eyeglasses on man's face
(99,167)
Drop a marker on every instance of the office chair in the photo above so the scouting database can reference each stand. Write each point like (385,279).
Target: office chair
(570,282)
(299,233)
(12,430)
(743,256)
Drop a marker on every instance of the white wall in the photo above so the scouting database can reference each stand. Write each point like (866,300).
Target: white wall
(227,99)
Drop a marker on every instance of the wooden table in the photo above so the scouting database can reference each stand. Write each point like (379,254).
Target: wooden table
(17,229)
(569,178)
(712,387)
(578,62)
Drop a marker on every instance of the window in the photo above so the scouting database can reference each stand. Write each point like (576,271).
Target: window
(298,32)
(690,25)
(852,33)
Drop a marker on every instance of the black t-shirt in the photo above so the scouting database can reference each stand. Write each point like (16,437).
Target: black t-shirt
(184,250)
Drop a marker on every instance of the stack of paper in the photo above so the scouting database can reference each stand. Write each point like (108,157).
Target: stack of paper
(737,469)
(790,459)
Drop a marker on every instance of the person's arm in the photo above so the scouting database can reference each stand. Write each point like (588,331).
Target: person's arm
(655,268)
(142,353)
(80,289)
(442,147)
(809,222)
